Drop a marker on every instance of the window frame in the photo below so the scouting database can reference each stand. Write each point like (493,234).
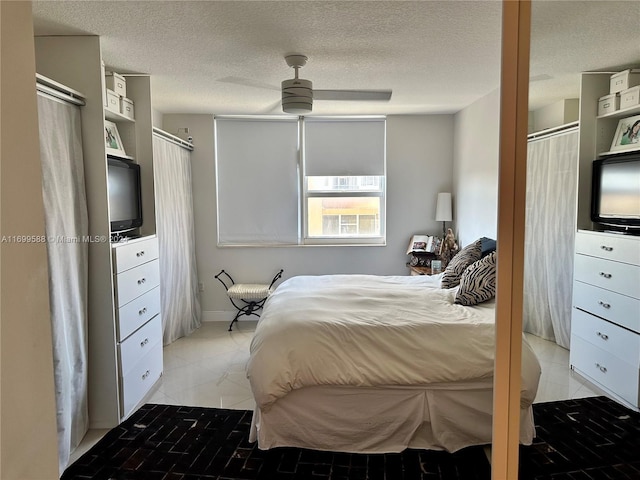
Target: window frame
(339,239)
(305,194)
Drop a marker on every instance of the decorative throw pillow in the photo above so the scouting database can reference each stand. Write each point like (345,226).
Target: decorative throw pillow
(488,246)
(458,264)
(478,282)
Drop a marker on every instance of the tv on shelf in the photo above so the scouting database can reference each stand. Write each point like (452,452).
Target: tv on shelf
(615,193)
(125,199)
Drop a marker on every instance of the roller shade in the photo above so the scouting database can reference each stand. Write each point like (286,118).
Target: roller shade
(341,147)
(257,181)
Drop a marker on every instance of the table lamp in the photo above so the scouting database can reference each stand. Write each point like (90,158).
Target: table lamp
(443,210)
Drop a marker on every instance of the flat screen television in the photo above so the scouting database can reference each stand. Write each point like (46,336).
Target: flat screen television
(125,201)
(615,192)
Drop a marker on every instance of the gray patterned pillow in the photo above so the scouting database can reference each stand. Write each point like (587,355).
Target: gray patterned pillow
(458,264)
(478,282)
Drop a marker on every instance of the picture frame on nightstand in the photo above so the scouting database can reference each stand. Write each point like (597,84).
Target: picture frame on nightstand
(436,266)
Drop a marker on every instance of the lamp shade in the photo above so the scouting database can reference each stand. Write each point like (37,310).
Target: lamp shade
(443,208)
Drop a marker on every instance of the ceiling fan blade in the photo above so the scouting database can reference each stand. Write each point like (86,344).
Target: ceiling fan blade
(352,95)
(271,109)
(247,83)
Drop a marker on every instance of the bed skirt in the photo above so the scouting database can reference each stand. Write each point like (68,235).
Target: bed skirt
(383,420)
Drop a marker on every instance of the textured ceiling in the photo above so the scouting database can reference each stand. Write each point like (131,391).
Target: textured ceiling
(227,57)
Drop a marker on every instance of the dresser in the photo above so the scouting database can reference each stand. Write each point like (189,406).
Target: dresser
(138,319)
(605,322)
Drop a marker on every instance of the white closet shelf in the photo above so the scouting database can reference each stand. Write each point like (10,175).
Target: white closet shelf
(116,116)
(625,112)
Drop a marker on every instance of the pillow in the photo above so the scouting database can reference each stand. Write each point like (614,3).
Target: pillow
(459,262)
(478,282)
(488,246)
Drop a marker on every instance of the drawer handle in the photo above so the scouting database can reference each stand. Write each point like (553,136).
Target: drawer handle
(605,275)
(141,281)
(144,342)
(140,253)
(145,375)
(143,311)
(604,305)
(601,368)
(603,336)
(606,248)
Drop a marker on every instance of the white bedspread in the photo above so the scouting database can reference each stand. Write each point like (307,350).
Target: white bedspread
(365,330)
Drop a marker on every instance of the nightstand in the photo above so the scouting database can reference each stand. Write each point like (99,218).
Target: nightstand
(419,270)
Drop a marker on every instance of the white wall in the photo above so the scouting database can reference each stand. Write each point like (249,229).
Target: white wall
(558,113)
(28,410)
(419,165)
(475,174)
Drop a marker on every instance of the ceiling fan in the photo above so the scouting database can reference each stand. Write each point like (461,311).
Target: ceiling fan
(298,94)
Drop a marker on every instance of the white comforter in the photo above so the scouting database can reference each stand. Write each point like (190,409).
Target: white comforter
(364,330)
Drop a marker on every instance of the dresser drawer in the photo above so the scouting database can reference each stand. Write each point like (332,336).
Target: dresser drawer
(139,379)
(616,340)
(134,252)
(137,312)
(139,343)
(610,246)
(136,281)
(612,306)
(617,277)
(606,369)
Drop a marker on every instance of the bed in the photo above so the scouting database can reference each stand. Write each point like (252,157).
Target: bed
(372,364)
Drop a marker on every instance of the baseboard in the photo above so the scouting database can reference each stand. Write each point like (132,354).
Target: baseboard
(217,316)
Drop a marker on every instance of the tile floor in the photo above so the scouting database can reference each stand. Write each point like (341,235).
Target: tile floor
(207,369)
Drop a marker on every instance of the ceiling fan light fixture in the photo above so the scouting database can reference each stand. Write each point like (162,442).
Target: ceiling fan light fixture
(297,107)
(297,96)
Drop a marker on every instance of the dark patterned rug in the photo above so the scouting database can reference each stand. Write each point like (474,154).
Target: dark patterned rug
(579,439)
(589,438)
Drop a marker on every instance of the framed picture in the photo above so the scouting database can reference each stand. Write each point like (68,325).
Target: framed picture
(112,140)
(627,135)
(436,266)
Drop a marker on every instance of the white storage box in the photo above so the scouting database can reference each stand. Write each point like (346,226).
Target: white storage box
(608,104)
(624,80)
(117,83)
(630,97)
(126,107)
(113,101)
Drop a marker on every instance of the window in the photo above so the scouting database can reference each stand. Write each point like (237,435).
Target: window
(344,207)
(344,169)
(300,181)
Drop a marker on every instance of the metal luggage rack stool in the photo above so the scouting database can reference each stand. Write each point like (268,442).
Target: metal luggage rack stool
(253,295)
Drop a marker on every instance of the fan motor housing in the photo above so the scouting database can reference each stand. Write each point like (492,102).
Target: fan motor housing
(297,95)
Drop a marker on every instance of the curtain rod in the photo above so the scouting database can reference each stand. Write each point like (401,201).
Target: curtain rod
(58,90)
(553,131)
(172,138)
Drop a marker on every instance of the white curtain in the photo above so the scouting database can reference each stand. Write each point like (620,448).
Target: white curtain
(181,313)
(552,164)
(66,224)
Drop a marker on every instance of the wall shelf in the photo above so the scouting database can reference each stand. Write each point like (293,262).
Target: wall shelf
(619,152)
(116,116)
(626,112)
